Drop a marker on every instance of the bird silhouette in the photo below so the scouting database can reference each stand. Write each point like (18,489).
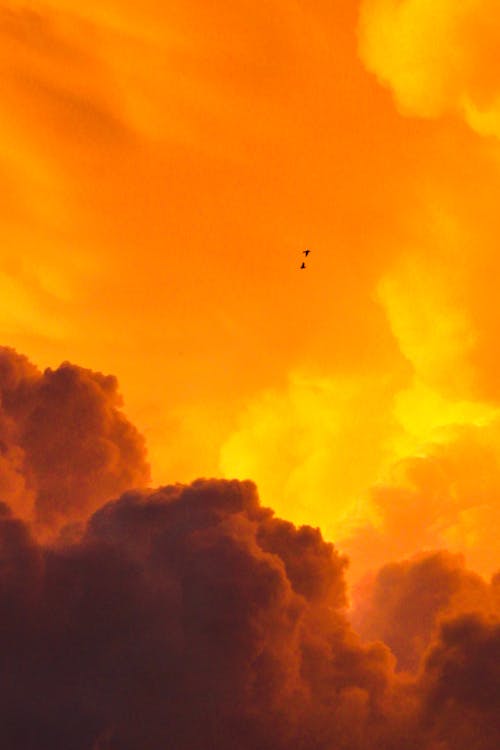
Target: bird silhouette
(306,252)
(303,265)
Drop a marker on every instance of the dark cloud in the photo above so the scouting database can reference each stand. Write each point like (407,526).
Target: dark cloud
(65,445)
(461,685)
(174,622)
(191,617)
(403,603)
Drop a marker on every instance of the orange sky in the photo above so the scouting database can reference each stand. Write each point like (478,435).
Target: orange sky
(162,167)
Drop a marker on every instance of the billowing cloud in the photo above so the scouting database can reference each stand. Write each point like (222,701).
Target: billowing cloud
(162,166)
(191,616)
(403,604)
(446,497)
(422,299)
(187,616)
(460,685)
(299,441)
(66,447)
(387,466)
(437,57)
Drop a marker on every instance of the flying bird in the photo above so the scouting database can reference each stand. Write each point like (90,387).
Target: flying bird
(306,252)
(303,265)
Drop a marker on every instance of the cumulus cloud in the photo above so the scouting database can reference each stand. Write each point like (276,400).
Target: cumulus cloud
(387,468)
(437,57)
(446,497)
(190,616)
(298,442)
(460,685)
(404,603)
(66,447)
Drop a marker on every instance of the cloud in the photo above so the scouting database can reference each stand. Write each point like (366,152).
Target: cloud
(437,57)
(298,442)
(403,604)
(191,616)
(461,684)
(423,300)
(446,497)
(66,447)
(387,466)
(188,616)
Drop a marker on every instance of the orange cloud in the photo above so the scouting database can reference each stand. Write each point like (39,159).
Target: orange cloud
(446,497)
(437,57)
(162,168)
(65,445)
(315,447)
(161,597)
(405,603)
(221,621)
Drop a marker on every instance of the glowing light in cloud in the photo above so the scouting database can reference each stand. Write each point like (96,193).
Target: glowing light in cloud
(433,331)
(437,56)
(160,166)
(315,447)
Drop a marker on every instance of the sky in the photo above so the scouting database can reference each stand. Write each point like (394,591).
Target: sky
(162,168)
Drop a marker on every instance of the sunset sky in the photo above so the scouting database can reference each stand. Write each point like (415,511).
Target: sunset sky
(162,167)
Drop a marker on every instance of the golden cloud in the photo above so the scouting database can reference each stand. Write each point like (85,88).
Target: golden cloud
(437,56)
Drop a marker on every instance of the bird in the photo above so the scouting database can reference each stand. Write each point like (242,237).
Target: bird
(303,265)
(306,252)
